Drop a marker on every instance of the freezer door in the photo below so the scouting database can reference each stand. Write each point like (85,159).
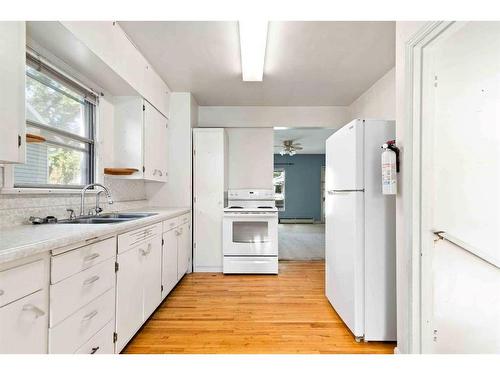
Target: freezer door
(344,257)
(344,158)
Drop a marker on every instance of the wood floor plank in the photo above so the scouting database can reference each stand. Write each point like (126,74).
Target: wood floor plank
(216,313)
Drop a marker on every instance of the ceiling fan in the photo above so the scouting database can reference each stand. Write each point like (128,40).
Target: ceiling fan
(290,147)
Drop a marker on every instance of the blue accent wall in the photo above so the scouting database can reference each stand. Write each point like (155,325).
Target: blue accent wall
(302,184)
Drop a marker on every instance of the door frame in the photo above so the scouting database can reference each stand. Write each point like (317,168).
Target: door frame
(415,162)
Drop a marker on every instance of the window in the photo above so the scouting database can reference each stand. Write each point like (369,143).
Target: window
(62,112)
(279,189)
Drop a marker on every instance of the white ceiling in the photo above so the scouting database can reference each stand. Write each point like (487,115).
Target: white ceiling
(307,63)
(312,140)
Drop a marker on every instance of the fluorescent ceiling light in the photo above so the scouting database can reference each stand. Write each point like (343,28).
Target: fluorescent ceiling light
(253,39)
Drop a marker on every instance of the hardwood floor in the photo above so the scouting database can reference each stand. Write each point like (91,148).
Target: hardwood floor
(216,313)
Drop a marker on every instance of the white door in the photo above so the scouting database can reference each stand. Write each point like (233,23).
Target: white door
(24,325)
(155,144)
(151,268)
(12,81)
(460,190)
(344,257)
(183,249)
(209,180)
(344,158)
(169,271)
(129,296)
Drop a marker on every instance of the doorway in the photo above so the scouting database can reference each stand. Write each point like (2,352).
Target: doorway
(299,183)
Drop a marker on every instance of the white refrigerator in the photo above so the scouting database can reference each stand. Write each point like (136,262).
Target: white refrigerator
(360,231)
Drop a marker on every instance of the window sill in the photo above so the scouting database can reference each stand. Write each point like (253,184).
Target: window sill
(34,191)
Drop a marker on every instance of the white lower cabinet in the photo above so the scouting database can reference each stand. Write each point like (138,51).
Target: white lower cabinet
(176,252)
(82,297)
(23,325)
(138,280)
(183,250)
(24,306)
(77,329)
(169,262)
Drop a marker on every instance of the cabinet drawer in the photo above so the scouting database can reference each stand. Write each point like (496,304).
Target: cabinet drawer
(101,342)
(186,218)
(129,240)
(23,325)
(170,224)
(77,260)
(76,291)
(78,328)
(20,281)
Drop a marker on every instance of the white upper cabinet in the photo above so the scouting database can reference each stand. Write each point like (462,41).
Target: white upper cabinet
(12,83)
(141,139)
(110,43)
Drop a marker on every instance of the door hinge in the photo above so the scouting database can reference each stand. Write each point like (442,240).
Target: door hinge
(143,107)
(162,243)
(143,169)
(19,140)
(194,245)
(115,337)
(194,199)
(117,266)
(162,288)
(435,80)
(194,152)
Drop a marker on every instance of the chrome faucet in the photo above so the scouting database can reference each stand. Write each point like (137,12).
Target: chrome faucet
(82,197)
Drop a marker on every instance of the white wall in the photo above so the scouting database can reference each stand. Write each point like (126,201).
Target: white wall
(176,192)
(269,116)
(379,101)
(250,158)
(406,343)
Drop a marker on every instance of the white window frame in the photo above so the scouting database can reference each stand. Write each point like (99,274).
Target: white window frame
(7,170)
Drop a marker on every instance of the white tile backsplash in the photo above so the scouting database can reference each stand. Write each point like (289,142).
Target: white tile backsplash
(15,209)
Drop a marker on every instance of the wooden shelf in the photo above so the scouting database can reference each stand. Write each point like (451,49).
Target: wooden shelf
(120,171)
(33,138)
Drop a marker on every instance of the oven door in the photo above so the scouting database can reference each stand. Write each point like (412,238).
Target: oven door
(250,234)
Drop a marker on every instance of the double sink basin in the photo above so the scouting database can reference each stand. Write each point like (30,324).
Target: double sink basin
(111,218)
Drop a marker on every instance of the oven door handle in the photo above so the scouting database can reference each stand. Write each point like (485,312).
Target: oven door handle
(253,216)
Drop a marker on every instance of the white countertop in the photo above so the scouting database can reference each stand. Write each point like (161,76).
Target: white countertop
(26,240)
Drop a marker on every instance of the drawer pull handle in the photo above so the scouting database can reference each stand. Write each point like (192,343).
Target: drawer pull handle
(94,350)
(89,316)
(146,252)
(38,312)
(91,280)
(91,239)
(90,257)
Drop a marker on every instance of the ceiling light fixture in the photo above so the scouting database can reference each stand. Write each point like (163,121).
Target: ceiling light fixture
(253,40)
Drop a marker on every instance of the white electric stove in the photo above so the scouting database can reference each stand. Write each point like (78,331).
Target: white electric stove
(250,232)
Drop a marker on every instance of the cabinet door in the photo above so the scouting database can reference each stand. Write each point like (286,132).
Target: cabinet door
(151,264)
(12,82)
(23,325)
(129,296)
(183,250)
(155,144)
(169,261)
(209,186)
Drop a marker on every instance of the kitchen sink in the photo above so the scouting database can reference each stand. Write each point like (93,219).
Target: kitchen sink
(130,215)
(112,218)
